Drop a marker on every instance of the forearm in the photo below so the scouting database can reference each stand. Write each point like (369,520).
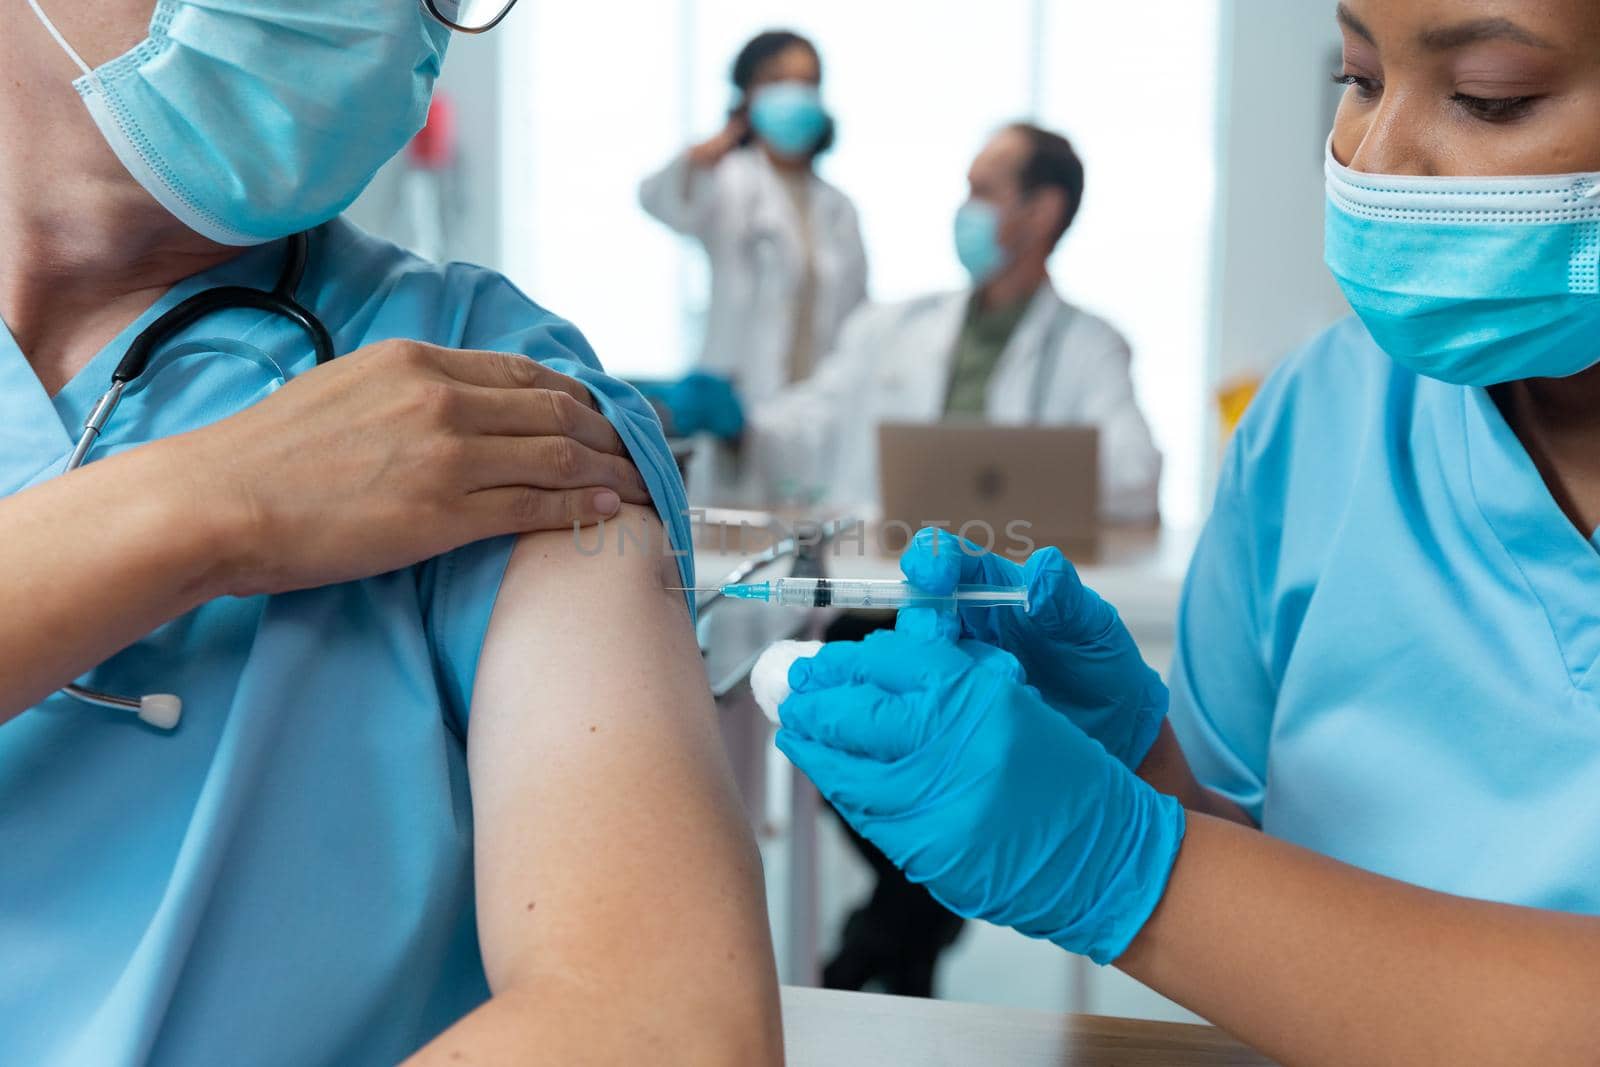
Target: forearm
(676,196)
(801,435)
(1316,962)
(1166,769)
(95,560)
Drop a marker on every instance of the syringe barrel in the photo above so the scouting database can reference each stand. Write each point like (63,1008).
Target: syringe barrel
(885,594)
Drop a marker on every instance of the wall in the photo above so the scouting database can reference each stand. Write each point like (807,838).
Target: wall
(593,102)
(1269,292)
(472,187)
(918,88)
(1272,291)
(1136,87)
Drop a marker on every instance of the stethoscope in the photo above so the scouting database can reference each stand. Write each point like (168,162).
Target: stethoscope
(163,710)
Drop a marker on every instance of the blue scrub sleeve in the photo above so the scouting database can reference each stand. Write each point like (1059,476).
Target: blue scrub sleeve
(1223,694)
(459,588)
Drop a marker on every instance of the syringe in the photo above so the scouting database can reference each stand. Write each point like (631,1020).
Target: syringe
(870,593)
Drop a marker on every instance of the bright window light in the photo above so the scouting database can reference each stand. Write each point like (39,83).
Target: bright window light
(591,107)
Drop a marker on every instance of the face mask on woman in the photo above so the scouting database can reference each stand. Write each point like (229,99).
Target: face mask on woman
(1473,281)
(790,117)
(250,120)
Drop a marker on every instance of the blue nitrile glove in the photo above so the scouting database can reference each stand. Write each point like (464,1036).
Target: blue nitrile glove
(940,755)
(697,403)
(1071,643)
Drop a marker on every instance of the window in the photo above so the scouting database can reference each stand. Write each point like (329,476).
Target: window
(590,106)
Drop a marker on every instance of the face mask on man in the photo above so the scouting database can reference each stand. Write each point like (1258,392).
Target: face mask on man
(250,121)
(977,233)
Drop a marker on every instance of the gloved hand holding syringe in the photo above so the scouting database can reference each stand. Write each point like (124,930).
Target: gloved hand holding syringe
(870,593)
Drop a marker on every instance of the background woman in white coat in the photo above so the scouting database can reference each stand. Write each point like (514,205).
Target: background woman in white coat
(787,261)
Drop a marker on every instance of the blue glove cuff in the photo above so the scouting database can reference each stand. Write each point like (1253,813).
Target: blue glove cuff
(704,403)
(1147,725)
(1137,886)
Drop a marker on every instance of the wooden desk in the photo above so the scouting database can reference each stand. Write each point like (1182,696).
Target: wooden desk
(824,1028)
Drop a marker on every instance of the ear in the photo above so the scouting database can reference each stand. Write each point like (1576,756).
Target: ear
(1049,209)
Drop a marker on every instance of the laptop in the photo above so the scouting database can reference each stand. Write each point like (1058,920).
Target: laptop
(1007,485)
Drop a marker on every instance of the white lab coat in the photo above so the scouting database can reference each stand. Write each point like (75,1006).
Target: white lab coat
(741,213)
(1062,366)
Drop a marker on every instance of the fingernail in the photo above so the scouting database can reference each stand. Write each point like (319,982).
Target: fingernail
(606,502)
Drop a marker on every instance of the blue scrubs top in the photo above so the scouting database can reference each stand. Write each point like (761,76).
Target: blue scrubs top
(286,878)
(1389,642)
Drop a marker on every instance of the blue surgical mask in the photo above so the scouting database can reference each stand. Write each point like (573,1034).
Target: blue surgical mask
(978,240)
(790,117)
(1474,281)
(250,120)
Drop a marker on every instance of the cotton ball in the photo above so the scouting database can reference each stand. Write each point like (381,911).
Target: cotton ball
(161,710)
(769,678)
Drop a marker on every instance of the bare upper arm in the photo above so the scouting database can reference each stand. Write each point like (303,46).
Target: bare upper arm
(610,840)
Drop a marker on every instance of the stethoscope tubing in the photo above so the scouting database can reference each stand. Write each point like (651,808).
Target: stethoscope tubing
(163,709)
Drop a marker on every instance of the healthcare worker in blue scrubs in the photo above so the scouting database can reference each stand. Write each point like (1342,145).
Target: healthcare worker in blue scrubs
(1364,824)
(403,766)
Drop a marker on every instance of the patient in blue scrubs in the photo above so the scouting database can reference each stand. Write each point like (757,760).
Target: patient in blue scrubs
(433,792)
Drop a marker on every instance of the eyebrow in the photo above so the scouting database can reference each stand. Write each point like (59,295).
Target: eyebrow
(1449,38)
(1348,20)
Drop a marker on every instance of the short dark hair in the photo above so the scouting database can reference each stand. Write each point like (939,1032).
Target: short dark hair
(753,56)
(1052,164)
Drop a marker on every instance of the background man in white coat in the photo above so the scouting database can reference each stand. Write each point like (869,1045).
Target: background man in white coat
(1009,350)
